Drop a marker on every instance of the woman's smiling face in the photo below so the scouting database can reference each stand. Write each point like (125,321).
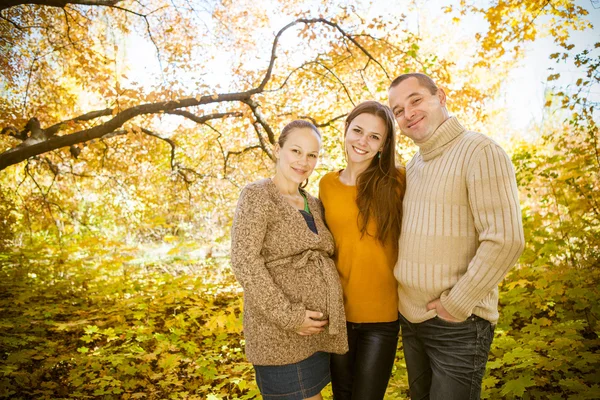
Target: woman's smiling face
(365,137)
(299,154)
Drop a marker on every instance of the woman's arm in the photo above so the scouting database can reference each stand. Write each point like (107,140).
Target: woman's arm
(247,240)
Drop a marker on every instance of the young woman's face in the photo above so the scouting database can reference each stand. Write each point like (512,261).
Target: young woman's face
(365,137)
(298,156)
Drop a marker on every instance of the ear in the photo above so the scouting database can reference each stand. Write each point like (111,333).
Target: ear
(276,149)
(442,96)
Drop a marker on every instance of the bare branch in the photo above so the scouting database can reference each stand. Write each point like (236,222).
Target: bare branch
(115,133)
(308,21)
(28,84)
(169,141)
(339,80)
(16,155)
(350,38)
(203,119)
(184,171)
(263,143)
(261,120)
(323,124)
(287,78)
(66,14)
(13,23)
(58,3)
(145,16)
(85,117)
(235,153)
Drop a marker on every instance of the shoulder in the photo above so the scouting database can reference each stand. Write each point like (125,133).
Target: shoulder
(328,179)
(257,192)
(326,183)
(485,154)
(476,145)
(413,161)
(260,186)
(481,143)
(480,140)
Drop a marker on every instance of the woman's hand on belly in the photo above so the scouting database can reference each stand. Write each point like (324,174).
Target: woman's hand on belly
(310,326)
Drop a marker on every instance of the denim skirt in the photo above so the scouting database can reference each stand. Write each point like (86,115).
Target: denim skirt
(294,381)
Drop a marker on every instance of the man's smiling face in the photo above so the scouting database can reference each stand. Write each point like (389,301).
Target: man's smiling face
(418,112)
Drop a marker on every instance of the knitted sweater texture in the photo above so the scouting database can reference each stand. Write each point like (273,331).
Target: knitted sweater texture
(284,269)
(366,267)
(461,230)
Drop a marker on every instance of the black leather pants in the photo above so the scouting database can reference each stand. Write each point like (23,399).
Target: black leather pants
(363,373)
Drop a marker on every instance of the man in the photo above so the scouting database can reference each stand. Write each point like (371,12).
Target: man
(461,233)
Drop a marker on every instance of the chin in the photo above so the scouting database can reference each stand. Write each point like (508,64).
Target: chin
(300,180)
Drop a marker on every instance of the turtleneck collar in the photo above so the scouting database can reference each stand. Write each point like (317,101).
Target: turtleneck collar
(449,130)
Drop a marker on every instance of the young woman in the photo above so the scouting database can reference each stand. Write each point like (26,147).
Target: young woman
(363,210)
(280,253)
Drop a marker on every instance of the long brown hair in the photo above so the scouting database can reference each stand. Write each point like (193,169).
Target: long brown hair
(381,187)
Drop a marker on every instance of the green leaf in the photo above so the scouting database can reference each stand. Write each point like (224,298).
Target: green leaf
(517,386)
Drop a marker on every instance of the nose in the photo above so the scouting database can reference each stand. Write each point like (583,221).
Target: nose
(409,113)
(363,140)
(304,161)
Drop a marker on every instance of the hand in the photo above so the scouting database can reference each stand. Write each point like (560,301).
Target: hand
(441,311)
(310,326)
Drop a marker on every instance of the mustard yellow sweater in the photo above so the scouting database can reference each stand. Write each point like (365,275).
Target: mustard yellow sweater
(461,226)
(364,265)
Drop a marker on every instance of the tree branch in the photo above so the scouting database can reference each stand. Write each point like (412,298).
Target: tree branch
(350,38)
(18,154)
(58,3)
(24,151)
(169,141)
(309,21)
(235,153)
(322,124)
(13,23)
(203,119)
(339,80)
(261,140)
(261,120)
(52,130)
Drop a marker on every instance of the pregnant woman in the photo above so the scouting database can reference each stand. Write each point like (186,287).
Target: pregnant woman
(280,254)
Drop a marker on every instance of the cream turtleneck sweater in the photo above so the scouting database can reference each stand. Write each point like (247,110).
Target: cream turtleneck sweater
(461,230)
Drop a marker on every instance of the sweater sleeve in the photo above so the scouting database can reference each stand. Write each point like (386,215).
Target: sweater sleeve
(494,203)
(260,291)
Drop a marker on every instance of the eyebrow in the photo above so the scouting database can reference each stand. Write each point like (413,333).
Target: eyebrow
(300,147)
(408,98)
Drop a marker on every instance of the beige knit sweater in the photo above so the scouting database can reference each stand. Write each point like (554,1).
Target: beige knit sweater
(284,269)
(462,228)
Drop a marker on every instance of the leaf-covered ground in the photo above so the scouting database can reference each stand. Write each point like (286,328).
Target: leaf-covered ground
(88,321)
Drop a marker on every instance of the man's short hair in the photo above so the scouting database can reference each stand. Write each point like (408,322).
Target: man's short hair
(423,79)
